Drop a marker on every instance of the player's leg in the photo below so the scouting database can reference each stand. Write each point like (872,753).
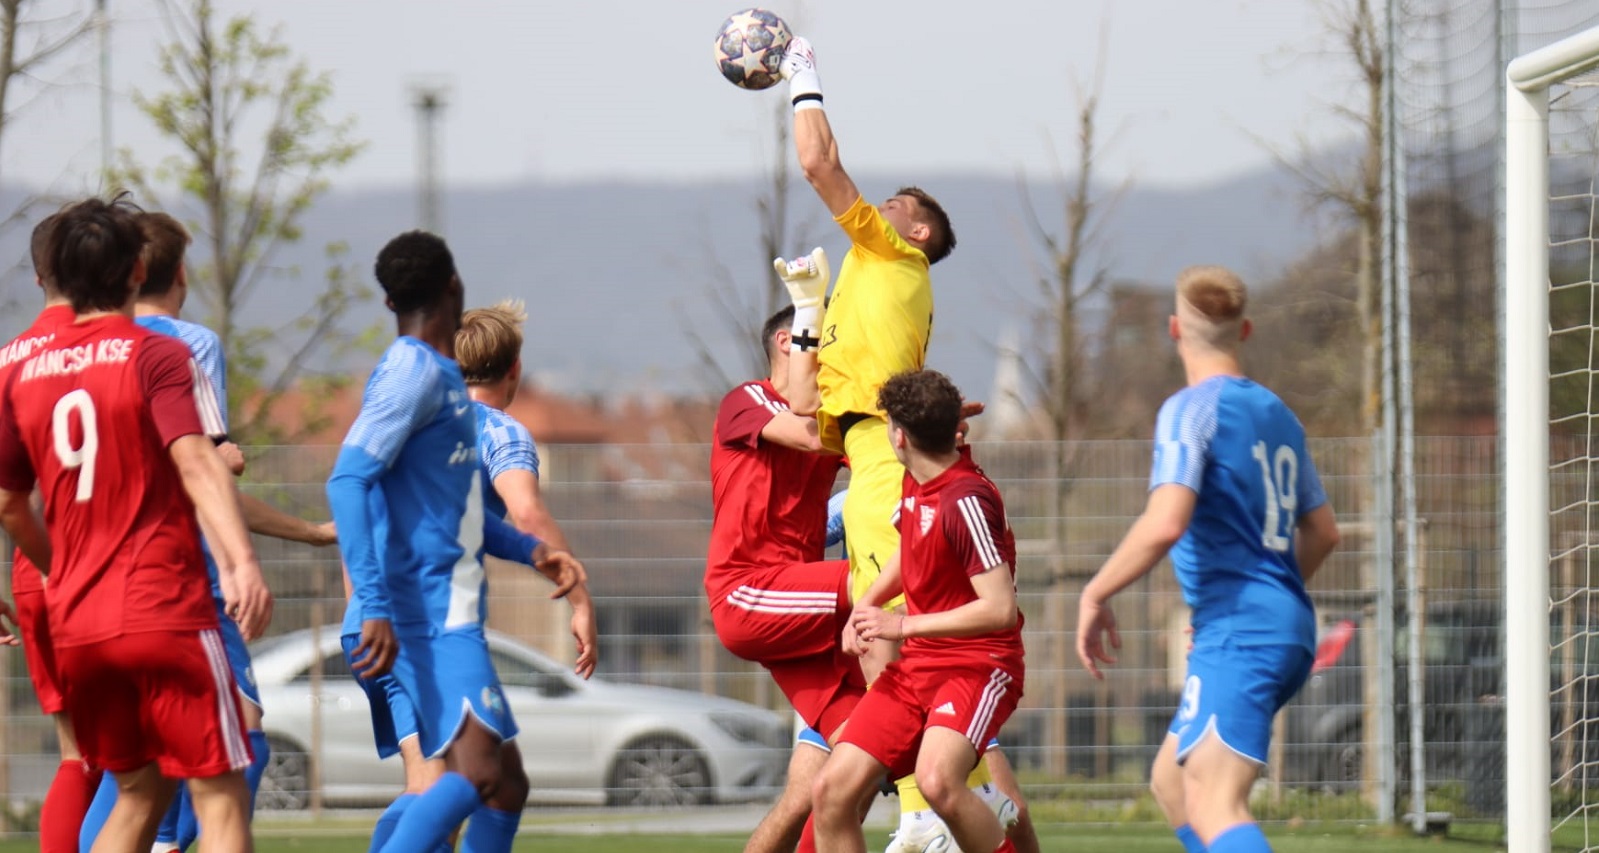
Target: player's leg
(1166,783)
(492,827)
(943,762)
(462,716)
(222,806)
(142,796)
(849,775)
(1224,734)
(1009,805)
(780,830)
(73,788)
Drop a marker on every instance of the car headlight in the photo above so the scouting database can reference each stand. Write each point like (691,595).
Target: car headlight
(744,728)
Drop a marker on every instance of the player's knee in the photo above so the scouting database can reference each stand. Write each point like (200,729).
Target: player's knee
(829,797)
(940,790)
(511,795)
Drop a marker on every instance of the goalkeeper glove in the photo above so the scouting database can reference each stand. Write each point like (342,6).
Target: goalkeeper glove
(806,279)
(799,69)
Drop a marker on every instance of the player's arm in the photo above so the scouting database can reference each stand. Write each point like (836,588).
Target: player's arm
(994,610)
(806,279)
(17,479)
(209,484)
(562,569)
(1316,530)
(396,404)
(1163,522)
(267,520)
(868,612)
(1316,537)
(22,523)
(525,507)
(793,431)
(813,135)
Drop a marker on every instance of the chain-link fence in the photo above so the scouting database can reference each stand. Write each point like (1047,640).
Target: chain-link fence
(640,517)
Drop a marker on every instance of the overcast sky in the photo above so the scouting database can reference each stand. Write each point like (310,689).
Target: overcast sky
(582,89)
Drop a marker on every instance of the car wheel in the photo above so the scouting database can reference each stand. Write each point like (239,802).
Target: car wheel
(286,783)
(659,770)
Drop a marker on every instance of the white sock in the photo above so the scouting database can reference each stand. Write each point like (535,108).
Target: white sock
(908,820)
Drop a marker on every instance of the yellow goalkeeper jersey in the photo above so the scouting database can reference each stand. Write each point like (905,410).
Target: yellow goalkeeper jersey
(878,320)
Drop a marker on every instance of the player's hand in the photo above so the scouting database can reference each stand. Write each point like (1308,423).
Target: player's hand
(969,409)
(560,567)
(250,604)
(1189,632)
(872,623)
(799,69)
(806,278)
(587,638)
(233,456)
(799,57)
(8,632)
(1094,623)
(374,655)
(851,640)
(324,534)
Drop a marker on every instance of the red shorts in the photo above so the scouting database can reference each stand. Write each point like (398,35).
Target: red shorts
(160,696)
(34,625)
(912,696)
(789,619)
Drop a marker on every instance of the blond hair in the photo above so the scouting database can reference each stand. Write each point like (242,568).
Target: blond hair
(1210,305)
(490,341)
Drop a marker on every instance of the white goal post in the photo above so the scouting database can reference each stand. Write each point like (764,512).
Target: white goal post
(1526,434)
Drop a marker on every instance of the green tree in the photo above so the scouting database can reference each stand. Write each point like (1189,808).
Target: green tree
(255,149)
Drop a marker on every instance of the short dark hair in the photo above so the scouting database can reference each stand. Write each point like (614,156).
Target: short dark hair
(93,249)
(39,248)
(415,270)
(942,239)
(783,319)
(926,405)
(165,242)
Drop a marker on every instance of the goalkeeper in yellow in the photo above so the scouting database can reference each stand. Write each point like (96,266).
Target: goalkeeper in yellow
(876,324)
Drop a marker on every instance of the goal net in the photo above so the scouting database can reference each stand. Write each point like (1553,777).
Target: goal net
(1551,447)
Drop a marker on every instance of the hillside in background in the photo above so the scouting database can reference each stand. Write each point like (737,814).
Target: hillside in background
(611,271)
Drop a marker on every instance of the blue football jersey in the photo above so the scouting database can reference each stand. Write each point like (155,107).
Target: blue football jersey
(1243,452)
(415,440)
(504,445)
(206,348)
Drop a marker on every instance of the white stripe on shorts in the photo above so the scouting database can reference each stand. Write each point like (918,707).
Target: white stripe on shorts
(227,700)
(998,682)
(782,601)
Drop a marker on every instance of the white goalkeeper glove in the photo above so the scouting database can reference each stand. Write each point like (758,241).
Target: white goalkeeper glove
(806,278)
(799,69)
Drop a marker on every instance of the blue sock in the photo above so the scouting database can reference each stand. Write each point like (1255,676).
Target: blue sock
(1190,839)
(167,832)
(188,824)
(252,774)
(434,815)
(491,831)
(1242,838)
(386,821)
(100,809)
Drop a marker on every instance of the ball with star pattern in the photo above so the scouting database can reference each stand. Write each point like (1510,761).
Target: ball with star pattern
(749,48)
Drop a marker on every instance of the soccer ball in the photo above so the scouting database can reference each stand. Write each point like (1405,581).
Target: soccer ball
(750,46)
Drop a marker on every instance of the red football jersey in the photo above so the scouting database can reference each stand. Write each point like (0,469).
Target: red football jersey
(769,502)
(951,528)
(24,577)
(92,413)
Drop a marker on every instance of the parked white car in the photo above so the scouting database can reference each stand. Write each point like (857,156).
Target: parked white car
(582,742)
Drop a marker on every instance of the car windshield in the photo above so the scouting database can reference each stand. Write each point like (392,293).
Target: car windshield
(518,671)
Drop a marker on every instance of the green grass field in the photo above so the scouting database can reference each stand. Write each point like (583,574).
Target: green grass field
(344,838)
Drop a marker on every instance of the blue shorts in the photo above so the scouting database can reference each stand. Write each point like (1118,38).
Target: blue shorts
(1234,692)
(393,716)
(447,677)
(238,655)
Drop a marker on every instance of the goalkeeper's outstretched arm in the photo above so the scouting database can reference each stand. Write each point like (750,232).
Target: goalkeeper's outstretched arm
(813,136)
